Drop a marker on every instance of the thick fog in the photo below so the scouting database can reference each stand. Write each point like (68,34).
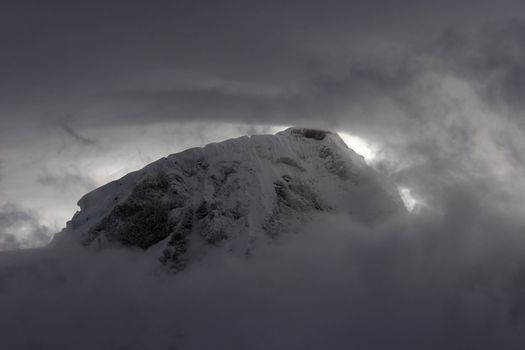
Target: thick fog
(449,277)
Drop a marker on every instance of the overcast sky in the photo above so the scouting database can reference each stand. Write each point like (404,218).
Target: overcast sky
(432,92)
(90,90)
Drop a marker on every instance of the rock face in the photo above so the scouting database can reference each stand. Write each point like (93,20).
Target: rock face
(232,195)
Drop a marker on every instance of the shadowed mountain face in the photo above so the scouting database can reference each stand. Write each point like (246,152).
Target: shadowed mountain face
(232,195)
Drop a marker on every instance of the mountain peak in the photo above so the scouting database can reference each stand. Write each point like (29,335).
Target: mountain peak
(232,195)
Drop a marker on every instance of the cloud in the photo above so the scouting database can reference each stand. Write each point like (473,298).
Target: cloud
(304,62)
(443,110)
(488,58)
(451,279)
(20,229)
(374,88)
(65,178)
(450,276)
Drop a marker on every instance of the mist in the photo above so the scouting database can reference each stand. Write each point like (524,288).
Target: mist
(451,278)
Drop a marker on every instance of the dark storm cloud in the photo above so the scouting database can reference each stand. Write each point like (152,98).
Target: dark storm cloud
(78,57)
(323,94)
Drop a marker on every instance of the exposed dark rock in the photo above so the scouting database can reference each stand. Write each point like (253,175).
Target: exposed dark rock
(146,210)
(312,133)
(202,211)
(334,163)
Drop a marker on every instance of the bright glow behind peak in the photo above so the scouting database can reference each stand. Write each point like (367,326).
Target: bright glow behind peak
(360,146)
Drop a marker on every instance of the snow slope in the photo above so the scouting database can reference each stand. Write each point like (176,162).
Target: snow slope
(232,195)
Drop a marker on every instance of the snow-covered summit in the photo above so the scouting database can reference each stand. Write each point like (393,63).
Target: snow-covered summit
(233,194)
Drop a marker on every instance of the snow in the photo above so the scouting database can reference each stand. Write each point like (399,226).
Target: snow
(232,195)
